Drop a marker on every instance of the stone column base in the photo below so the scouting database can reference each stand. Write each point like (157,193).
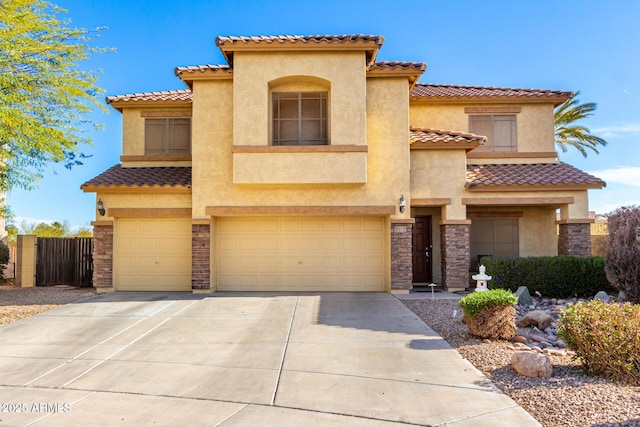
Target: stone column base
(200,257)
(401,256)
(103,256)
(455,253)
(574,239)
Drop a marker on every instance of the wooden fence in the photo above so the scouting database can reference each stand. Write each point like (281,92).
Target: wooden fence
(64,261)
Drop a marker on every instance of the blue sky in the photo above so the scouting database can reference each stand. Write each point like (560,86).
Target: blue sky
(591,46)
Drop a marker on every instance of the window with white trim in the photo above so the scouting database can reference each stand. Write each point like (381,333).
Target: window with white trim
(167,136)
(500,130)
(299,118)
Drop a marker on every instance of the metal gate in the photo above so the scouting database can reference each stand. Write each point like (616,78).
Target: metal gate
(64,261)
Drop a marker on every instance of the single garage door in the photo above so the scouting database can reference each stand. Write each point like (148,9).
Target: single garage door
(300,253)
(152,254)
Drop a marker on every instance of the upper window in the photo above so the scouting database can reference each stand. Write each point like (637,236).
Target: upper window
(500,131)
(299,118)
(167,136)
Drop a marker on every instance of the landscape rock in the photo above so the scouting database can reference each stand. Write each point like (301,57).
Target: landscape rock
(536,318)
(602,296)
(524,298)
(532,365)
(519,339)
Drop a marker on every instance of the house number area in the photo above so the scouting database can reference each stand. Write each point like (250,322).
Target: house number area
(39,407)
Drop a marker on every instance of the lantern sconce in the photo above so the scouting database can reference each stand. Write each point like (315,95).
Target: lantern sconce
(101,210)
(403,203)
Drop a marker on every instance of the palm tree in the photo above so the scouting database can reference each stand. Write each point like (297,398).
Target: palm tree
(567,133)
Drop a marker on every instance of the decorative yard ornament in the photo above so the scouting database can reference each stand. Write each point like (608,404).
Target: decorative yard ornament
(481,279)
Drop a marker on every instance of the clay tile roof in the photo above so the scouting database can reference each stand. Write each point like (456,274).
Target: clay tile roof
(370,43)
(437,137)
(167,95)
(227,40)
(117,176)
(450,92)
(209,68)
(393,65)
(551,174)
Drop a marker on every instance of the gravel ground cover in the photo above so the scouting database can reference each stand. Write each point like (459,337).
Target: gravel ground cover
(18,303)
(569,398)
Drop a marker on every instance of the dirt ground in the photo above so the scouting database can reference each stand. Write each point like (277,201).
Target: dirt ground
(18,303)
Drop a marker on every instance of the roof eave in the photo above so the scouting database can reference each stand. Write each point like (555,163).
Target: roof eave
(412,74)
(555,100)
(89,188)
(120,105)
(535,187)
(371,47)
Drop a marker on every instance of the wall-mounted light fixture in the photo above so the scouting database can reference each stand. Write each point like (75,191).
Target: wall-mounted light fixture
(403,203)
(101,210)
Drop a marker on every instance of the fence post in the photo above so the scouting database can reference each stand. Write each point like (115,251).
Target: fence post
(26,261)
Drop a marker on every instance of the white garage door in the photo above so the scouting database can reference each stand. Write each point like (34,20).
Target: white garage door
(300,253)
(152,254)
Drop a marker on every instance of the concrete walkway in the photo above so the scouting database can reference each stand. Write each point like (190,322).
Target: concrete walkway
(232,359)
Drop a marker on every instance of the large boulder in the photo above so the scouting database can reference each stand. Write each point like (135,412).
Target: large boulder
(537,318)
(532,364)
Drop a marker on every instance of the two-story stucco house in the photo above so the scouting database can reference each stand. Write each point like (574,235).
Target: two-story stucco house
(302,164)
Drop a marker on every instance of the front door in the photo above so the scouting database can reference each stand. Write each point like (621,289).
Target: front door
(422,250)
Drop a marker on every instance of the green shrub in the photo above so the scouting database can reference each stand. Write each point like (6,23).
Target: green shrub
(561,277)
(605,337)
(4,258)
(473,303)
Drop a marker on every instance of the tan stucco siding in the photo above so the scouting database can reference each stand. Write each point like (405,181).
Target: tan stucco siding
(300,168)
(341,73)
(212,137)
(535,127)
(387,155)
(440,174)
(142,201)
(537,233)
(133,129)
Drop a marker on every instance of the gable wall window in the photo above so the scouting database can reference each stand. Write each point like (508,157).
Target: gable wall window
(500,130)
(299,118)
(167,136)
(493,237)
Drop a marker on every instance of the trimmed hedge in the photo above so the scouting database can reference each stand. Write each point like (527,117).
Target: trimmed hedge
(561,277)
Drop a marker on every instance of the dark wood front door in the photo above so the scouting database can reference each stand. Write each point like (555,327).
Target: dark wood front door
(422,250)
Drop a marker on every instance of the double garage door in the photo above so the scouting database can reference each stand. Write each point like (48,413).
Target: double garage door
(255,254)
(300,253)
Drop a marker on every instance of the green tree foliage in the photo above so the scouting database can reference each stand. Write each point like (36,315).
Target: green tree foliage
(570,134)
(41,229)
(45,98)
(83,232)
(622,254)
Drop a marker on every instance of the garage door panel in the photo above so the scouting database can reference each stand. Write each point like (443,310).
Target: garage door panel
(332,225)
(353,243)
(309,224)
(152,254)
(373,225)
(300,253)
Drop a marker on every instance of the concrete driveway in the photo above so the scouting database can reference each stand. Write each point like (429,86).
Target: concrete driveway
(232,359)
